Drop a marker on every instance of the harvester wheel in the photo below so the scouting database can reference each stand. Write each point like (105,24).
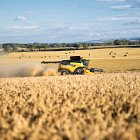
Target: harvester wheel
(64,72)
(79,71)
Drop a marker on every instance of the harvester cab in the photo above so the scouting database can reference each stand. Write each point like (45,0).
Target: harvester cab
(76,65)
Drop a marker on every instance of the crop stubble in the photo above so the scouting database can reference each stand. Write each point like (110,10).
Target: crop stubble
(111,60)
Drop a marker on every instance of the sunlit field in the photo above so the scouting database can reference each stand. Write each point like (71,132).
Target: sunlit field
(98,107)
(37,103)
(70,70)
(111,60)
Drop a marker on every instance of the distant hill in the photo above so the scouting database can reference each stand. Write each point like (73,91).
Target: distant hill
(134,39)
(109,40)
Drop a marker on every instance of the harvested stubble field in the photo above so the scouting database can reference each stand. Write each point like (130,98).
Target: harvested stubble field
(98,107)
(111,60)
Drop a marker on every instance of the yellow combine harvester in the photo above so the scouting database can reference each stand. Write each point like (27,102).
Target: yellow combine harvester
(76,65)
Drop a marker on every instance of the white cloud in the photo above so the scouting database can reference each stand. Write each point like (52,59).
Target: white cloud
(23,27)
(112,18)
(43,11)
(130,19)
(133,22)
(125,18)
(122,7)
(135,4)
(20,18)
(38,30)
(124,32)
(109,34)
(111,0)
(134,1)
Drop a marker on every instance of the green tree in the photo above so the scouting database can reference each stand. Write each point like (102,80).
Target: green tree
(46,46)
(85,46)
(116,42)
(76,46)
(6,48)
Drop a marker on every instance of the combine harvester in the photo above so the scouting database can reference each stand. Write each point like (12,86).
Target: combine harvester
(76,65)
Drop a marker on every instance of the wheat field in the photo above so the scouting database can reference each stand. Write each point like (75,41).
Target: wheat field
(38,104)
(97,107)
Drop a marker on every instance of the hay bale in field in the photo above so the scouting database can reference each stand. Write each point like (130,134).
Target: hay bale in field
(110,53)
(125,55)
(113,56)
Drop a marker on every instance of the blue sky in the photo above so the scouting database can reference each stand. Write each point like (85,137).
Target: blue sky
(26,21)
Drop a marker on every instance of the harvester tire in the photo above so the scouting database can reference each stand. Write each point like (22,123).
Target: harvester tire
(64,72)
(79,71)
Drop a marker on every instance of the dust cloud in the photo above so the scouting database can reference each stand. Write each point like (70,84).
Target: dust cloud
(26,69)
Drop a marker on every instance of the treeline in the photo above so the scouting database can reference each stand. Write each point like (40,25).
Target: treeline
(9,47)
(124,42)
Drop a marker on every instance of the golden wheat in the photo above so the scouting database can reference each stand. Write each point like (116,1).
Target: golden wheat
(104,106)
